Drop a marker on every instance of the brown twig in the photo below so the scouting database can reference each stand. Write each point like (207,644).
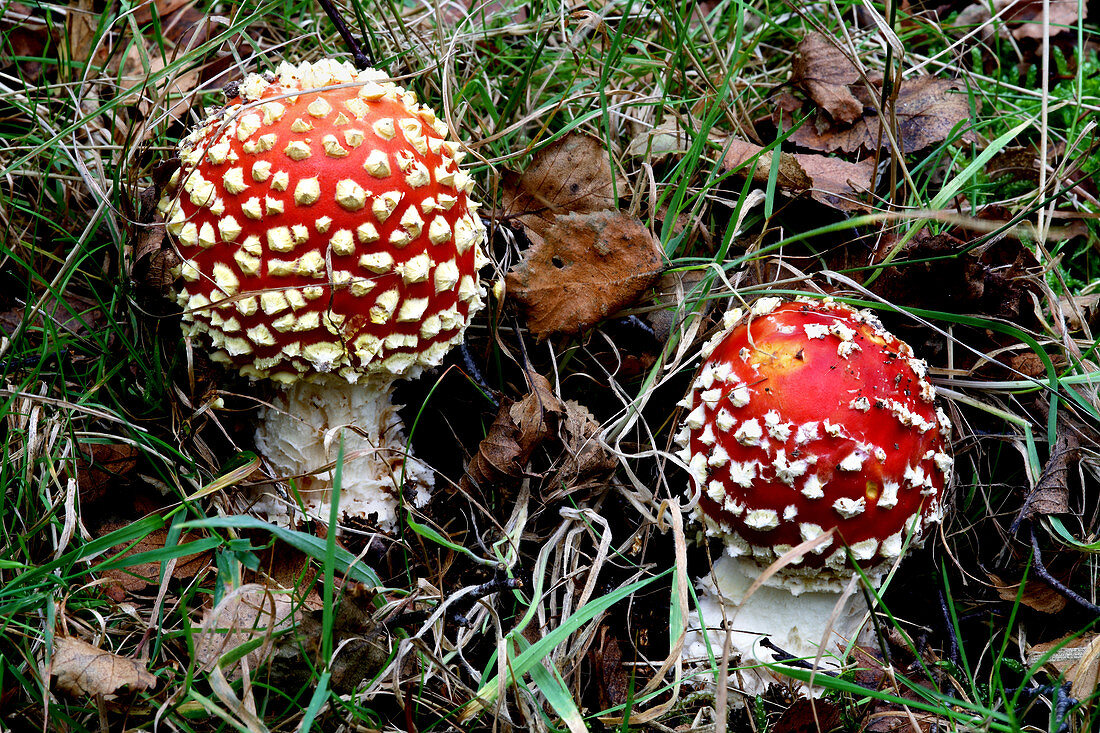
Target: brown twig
(1053,582)
(360,57)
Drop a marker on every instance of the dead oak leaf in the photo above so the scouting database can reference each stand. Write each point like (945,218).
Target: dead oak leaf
(572,174)
(83,669)
(927,110)
(582,268)
(585,462)
(1051,493)
(825,73)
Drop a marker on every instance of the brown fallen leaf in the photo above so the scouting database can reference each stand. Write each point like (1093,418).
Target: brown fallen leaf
(941,272)
(83,669)
(790,176)
(143,11)
(809,716)
(927,110)
(585,461)
(103,467)
(74,313)
(583,268)
(518,429)
(1036,594)
(838,183)
(825,73)
(671,292)
(81,27)
(1027,16)
(870,671)
(125,581)
(363,644)
(572,174)
(25,43)
(613,685)
(1051,492)
(1078,660)
(830,181)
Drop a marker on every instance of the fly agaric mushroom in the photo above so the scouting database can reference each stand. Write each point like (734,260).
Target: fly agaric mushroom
(329,243)
(806,417)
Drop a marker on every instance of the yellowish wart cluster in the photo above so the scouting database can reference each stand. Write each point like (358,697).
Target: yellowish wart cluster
(324,226)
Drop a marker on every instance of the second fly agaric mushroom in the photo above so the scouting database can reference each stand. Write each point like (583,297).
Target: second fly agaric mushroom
(329,243)
(807,417)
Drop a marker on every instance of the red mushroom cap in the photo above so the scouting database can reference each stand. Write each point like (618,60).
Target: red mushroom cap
(325,230)
(809,415)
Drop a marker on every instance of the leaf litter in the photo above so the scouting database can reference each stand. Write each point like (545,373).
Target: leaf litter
(84,669)
(832,181)
(826,74)
(586,260)
(927,111)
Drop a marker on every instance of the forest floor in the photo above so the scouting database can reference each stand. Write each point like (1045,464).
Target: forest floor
(643,167)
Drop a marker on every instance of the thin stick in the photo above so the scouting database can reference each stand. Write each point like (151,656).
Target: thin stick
(1054,582)
(362,59)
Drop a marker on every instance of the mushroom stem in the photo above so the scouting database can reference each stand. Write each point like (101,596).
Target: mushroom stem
(299,435)
(796,624)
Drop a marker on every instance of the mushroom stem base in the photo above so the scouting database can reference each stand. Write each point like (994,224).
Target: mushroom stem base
(795,624)
(300,433)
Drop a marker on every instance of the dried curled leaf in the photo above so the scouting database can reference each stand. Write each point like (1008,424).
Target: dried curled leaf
(250,615)
(363,643)
(825,73)
(1051,492)
(83,669)
(518,429)
(583,268)
(927,110)
(584,460)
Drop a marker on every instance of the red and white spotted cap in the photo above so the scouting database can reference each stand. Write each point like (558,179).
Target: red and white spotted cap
(325,230)
(808,415)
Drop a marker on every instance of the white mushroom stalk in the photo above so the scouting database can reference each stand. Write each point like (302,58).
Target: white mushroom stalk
(329,242)
(812,427)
